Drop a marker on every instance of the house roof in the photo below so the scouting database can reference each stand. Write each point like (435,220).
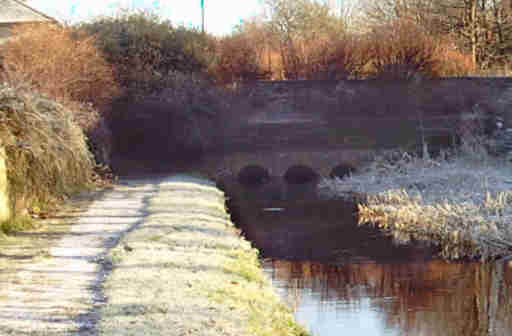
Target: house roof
(15,11)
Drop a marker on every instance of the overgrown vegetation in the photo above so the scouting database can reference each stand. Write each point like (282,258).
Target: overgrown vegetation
(169,109)
(47,154)
(73,72)
(146,50)
(73,69)
(310,40)
(459,202)
(477,28)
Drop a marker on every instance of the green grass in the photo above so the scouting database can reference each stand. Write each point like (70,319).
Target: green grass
(267,315)
(17,224)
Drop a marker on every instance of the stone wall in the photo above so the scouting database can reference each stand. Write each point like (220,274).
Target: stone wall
(323,124)
(4,200)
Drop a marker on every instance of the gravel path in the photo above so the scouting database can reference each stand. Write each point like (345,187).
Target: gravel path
(55,293)
(149,257)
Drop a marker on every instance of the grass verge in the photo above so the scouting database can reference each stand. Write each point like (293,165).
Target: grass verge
(267,316)
(17,224)
(186,271)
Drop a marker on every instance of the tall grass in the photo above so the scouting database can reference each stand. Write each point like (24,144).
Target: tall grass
(47,154)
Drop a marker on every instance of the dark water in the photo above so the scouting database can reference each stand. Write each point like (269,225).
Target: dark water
(342,279)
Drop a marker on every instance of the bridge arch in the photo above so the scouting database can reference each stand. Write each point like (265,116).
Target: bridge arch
(253,175)
(300,174)
(342,170)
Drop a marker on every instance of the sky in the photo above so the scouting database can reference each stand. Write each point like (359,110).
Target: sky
(220,15)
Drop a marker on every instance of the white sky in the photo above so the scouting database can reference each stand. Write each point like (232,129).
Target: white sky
(221,15)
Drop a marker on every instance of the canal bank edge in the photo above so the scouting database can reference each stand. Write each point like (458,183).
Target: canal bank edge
(185,270)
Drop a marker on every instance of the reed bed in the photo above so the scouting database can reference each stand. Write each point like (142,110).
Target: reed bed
(461,204)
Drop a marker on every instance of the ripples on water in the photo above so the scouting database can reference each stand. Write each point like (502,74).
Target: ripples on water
(342,279)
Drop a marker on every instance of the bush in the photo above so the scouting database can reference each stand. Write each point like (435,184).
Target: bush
(47,156)
(60,62)
(345,60)
(146,49)
(399,50)
(402,50)
(237,59)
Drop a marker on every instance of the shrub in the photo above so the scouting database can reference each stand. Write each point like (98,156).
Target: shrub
(72,71)
(60,62)
(345,60)
(146,49)
(399,50)
(47,156)
(237,59)
(452,62)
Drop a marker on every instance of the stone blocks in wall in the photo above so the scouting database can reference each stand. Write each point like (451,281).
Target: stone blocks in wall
(4,199)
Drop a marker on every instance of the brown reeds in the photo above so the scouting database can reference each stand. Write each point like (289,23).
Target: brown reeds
(461,204)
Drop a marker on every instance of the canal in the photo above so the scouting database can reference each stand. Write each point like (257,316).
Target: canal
(343,279)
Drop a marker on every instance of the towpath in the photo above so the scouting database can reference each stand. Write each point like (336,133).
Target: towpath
(152,256)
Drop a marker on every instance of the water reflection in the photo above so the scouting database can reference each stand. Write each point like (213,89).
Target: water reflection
(343,279)
(432,298)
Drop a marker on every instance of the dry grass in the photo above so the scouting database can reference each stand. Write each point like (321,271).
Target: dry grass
(460,204)
(47,156)
(72,71)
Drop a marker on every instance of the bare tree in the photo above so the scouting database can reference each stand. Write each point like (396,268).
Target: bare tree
(482,28)
(303,29)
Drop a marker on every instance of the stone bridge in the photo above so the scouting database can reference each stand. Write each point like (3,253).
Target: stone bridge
(330,127)
(305,129)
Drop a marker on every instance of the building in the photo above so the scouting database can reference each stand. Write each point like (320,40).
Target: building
(16,12)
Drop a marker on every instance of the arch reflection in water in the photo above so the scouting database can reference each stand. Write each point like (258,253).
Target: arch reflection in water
(428,299)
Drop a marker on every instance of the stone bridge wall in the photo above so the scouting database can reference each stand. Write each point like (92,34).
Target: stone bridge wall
(331,100)
(322,124)
(279,161)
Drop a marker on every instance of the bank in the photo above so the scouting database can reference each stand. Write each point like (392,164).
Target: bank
(459,204)
(186,270)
